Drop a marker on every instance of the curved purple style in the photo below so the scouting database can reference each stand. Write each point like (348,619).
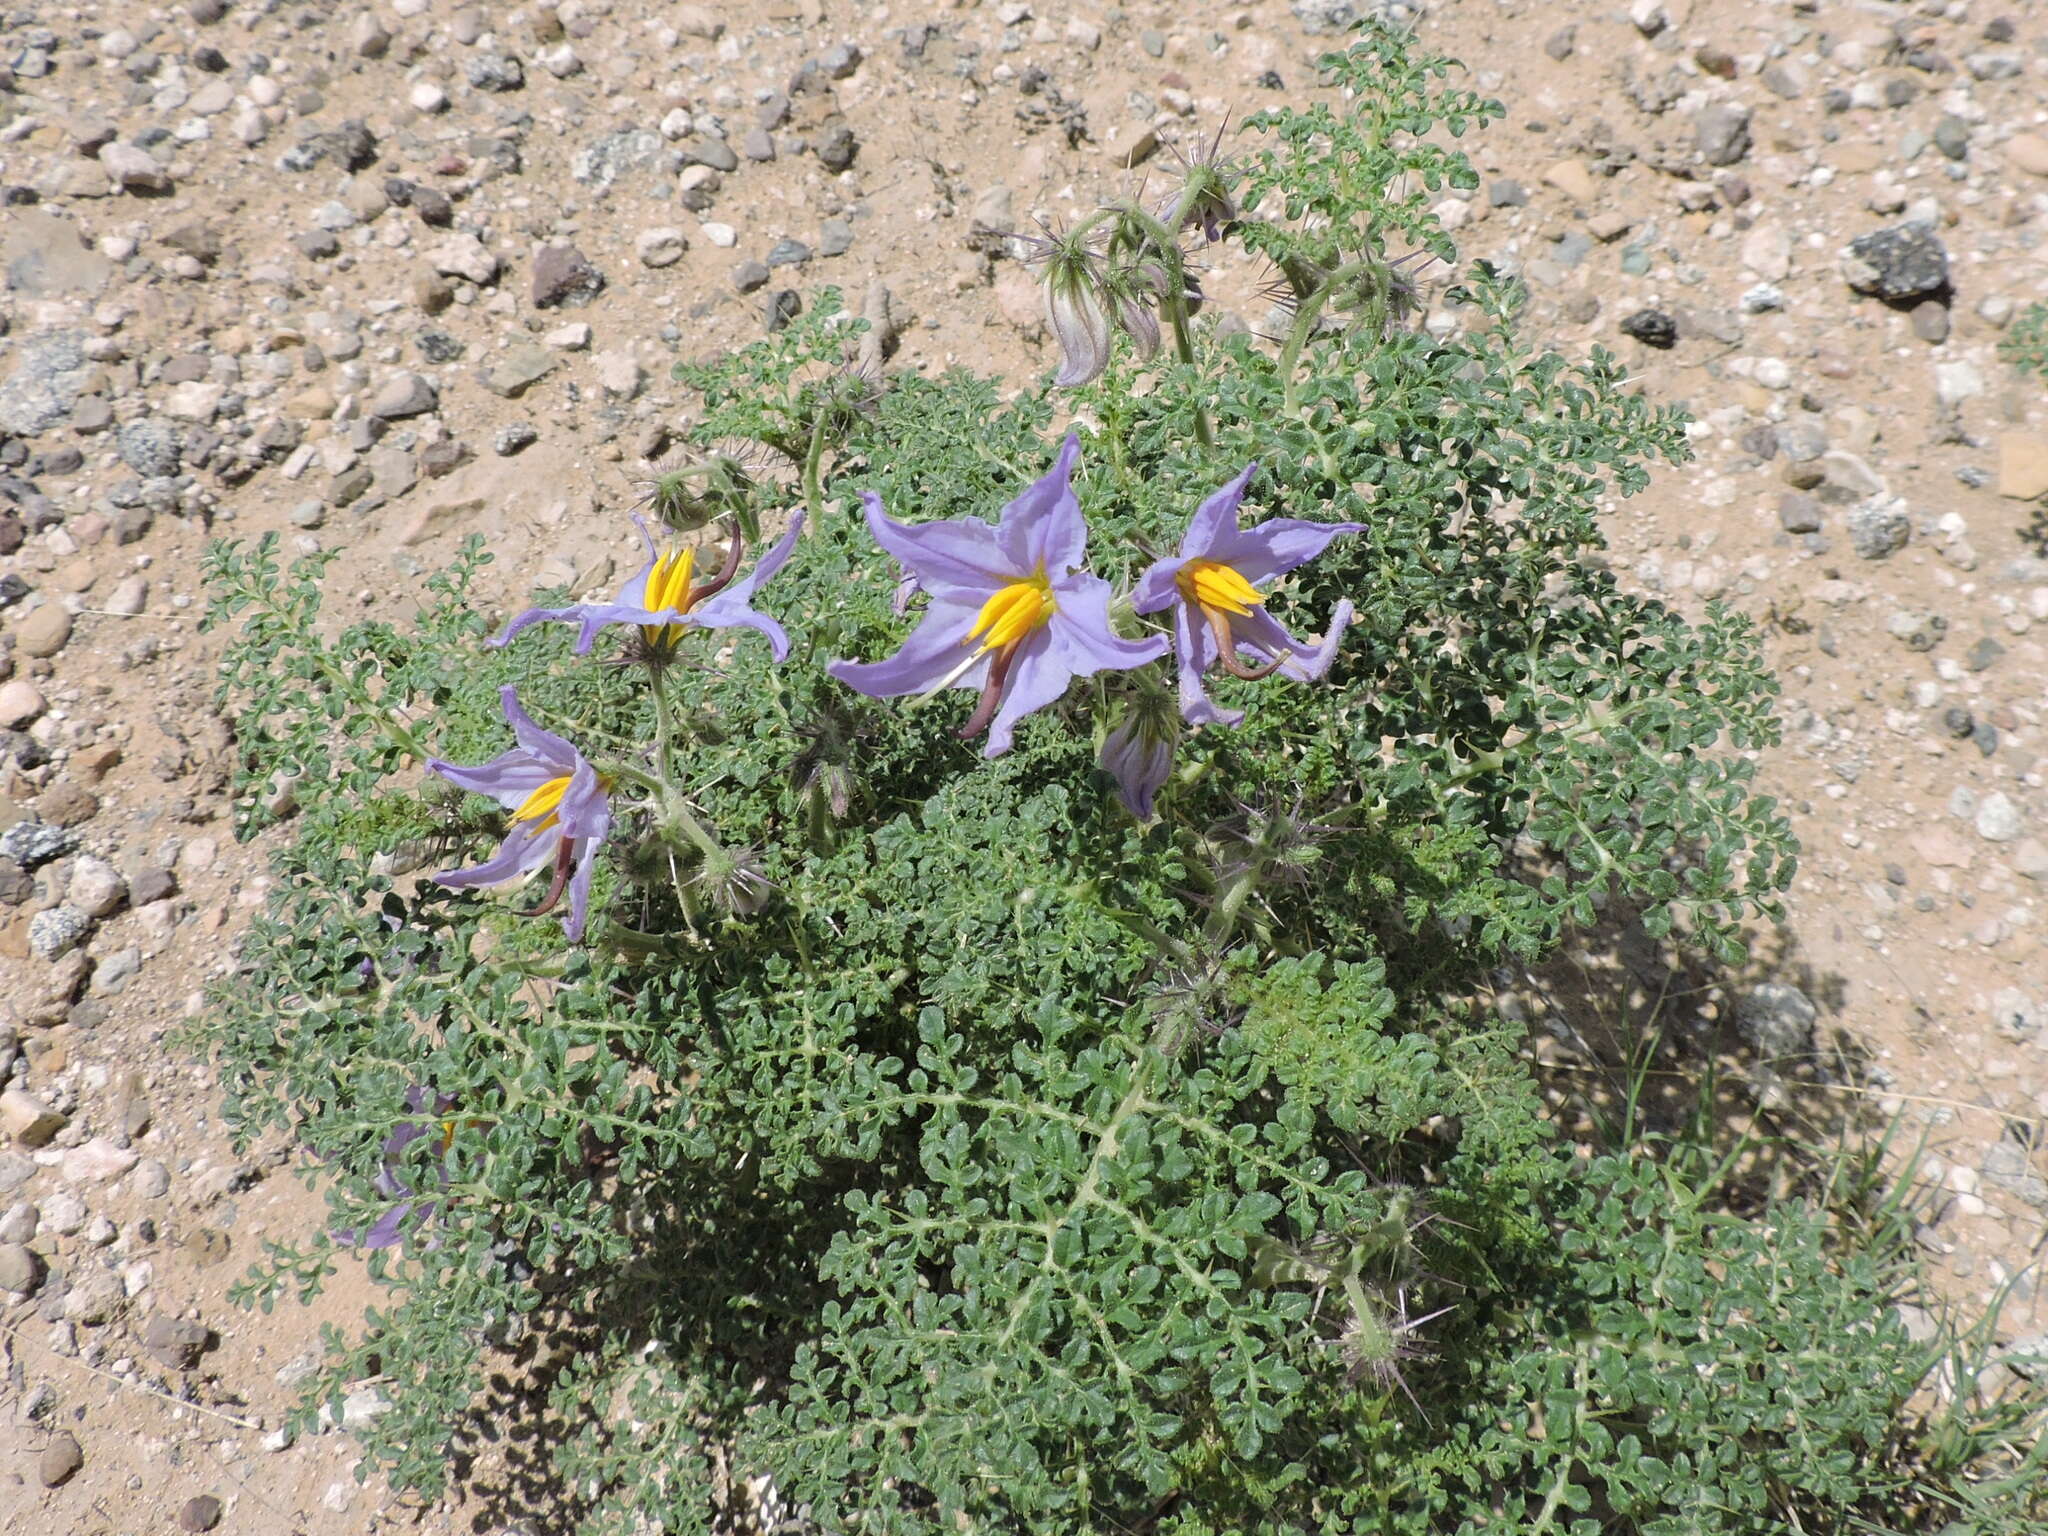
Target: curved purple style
(720,603)
(1218,556)
(559,807)
(1018,591)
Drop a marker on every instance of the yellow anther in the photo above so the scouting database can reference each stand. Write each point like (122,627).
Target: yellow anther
(1012,613)
(1222,588)
(539,807)
(668,583)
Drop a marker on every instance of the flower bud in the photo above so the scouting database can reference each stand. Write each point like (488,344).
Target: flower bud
(1138,753)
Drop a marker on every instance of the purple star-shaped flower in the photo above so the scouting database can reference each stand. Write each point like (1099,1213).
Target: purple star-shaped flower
(389,1228)
(1011,612)
(559,807)
(1219,613)
(664,597)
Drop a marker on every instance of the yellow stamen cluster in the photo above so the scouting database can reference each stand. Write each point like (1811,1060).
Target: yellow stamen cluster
(668,586)
(540,806)
(1014,612)
(1218,587)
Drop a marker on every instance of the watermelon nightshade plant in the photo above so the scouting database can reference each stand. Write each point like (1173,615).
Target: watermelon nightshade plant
(1070,1110)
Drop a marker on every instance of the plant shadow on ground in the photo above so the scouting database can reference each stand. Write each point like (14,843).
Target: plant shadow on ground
(1631,1038)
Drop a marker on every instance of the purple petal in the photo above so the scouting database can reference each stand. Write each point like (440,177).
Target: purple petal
(579,890)
(959,556)
(1043,527)
(1261,632)
(933,649)
(1081,629)
(1215,520)
(385,1232)
(1038,675)
(523,851)
(777,557)
(507,778)
(1158,587)
(584,810)
(592,616)
(545,745)
(1277,546)
(634,593)
(720,612)
(1195,651)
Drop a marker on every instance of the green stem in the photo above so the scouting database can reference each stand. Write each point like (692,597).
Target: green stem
(1159,237)
(657,686)
(1306,314)
(814,490)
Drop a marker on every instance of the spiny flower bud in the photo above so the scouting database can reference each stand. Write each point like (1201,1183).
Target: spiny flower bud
(1076,303)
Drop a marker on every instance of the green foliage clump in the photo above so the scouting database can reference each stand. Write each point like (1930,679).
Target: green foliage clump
(2025,343)
(928,1146)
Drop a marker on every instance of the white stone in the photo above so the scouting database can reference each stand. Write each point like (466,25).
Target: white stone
(20,702)
(195,400)
(1956,382)
(561,61)
(464,256)
(724,236)
(677,125)
(428,97)
(96,886)
(573,337)
(620,375)
(661,247)
(1998,819)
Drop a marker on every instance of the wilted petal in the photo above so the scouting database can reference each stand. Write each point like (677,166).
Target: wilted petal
(1080,325)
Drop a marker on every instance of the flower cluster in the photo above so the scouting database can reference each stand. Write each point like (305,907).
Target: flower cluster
(559,803)
(1012,614)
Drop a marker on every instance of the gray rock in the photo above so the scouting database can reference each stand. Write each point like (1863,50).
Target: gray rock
(1320,16)
(835,237)
(495,72)
(44,256)
(789,253)
(49,377)
(520,367)
(619,154)
(1952,136)
(60,1460)
(715,154)
(837,147)
(405,394)
(148,446)
(1723,133)
(513,438)
(1907,261)
(32,844)
(1799,514)
(1930,321)
(1878,529)
(749,275)
(563,275)
(2009,1165)
(1777,1019)
(20,1271)
(840,60)
(758,145)
(176,1343)
(56,929)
